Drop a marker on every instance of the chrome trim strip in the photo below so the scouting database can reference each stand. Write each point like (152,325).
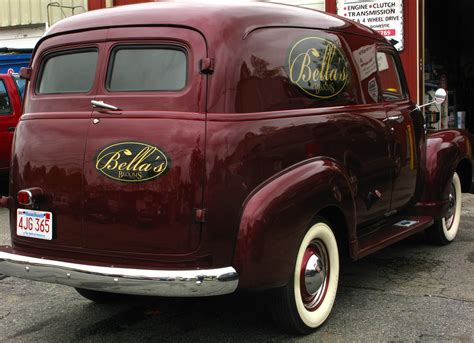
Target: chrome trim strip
(166,283)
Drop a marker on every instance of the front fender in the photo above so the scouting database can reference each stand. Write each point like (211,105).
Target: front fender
(276,216)
(444,152)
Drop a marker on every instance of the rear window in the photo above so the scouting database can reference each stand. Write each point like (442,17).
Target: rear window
(147,68)
(68,73)
(5,107)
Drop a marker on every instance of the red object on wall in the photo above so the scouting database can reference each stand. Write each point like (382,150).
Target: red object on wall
(412,55)
(129,2)
(95,4)
(331,6)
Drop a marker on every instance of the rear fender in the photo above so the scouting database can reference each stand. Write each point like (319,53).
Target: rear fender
(276,216)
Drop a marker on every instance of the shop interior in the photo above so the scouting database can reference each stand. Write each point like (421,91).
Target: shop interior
(449,62)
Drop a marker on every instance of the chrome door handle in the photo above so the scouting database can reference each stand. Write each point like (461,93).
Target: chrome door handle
(399,118)
(101,104)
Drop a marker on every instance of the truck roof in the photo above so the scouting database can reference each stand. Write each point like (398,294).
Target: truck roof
(211,18)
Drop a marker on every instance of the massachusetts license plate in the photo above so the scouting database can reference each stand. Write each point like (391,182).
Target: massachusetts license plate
(34,224)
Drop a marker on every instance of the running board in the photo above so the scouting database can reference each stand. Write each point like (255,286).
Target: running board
(392,233)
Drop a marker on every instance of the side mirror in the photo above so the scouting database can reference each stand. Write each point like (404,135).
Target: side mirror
(25,73)
(439,98)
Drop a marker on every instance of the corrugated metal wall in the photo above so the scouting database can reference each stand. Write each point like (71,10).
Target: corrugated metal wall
(27,12)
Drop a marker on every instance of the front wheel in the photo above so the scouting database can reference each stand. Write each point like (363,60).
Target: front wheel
(307,300)
(444,230)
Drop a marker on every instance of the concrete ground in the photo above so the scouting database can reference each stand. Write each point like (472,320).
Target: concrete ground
(410,292)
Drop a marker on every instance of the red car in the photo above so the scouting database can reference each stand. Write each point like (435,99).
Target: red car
(10,111)
(186,149)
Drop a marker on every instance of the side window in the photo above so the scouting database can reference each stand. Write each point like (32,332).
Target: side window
(68,72)
(147,68)
(390,81)
(364,56)
(283,69)
(5,107)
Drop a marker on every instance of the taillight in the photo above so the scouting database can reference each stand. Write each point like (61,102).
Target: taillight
(24,198)
(30,196)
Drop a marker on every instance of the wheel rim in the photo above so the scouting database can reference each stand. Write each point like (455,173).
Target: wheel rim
(314,275)
(451,213)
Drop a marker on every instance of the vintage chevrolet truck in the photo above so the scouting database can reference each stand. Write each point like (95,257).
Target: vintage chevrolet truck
(196,149)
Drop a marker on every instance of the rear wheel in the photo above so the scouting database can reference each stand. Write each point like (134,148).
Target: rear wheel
(100,297)
(307,300)
(445,229)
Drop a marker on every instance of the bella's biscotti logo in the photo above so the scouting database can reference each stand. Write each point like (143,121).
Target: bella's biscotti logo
(318,67)
(132,162)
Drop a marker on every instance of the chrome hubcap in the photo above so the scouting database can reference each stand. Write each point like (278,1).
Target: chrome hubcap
(314,275)
(451,213)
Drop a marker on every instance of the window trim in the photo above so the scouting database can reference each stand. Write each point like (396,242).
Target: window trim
(399,71)
(111,61)
(47,57)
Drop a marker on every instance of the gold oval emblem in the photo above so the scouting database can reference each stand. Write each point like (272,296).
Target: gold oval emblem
(318,67)
(132,162)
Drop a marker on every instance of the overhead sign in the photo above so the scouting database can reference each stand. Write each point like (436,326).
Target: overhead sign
(384,16)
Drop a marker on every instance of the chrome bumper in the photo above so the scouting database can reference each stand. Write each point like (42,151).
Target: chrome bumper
(166,283)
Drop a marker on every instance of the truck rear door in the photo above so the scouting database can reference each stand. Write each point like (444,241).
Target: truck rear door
(51,135)
(144,159)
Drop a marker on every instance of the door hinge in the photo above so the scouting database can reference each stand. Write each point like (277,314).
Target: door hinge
(199,215)
(207,65)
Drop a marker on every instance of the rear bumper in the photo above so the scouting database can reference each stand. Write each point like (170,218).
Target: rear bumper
(166,283)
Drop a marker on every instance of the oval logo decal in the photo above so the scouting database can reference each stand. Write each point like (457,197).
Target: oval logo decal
(318,67)
(132,162)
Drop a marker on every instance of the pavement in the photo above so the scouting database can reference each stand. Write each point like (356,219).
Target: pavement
(409,292)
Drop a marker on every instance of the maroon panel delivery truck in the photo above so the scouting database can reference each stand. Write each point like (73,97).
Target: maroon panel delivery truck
(187,149)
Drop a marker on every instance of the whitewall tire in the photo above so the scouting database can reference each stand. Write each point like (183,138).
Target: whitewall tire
(445,229)
(307,300)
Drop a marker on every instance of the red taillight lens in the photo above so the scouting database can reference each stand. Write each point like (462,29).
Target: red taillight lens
(24,198)
(29,196)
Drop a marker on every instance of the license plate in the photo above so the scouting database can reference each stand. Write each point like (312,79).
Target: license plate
(34,224)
